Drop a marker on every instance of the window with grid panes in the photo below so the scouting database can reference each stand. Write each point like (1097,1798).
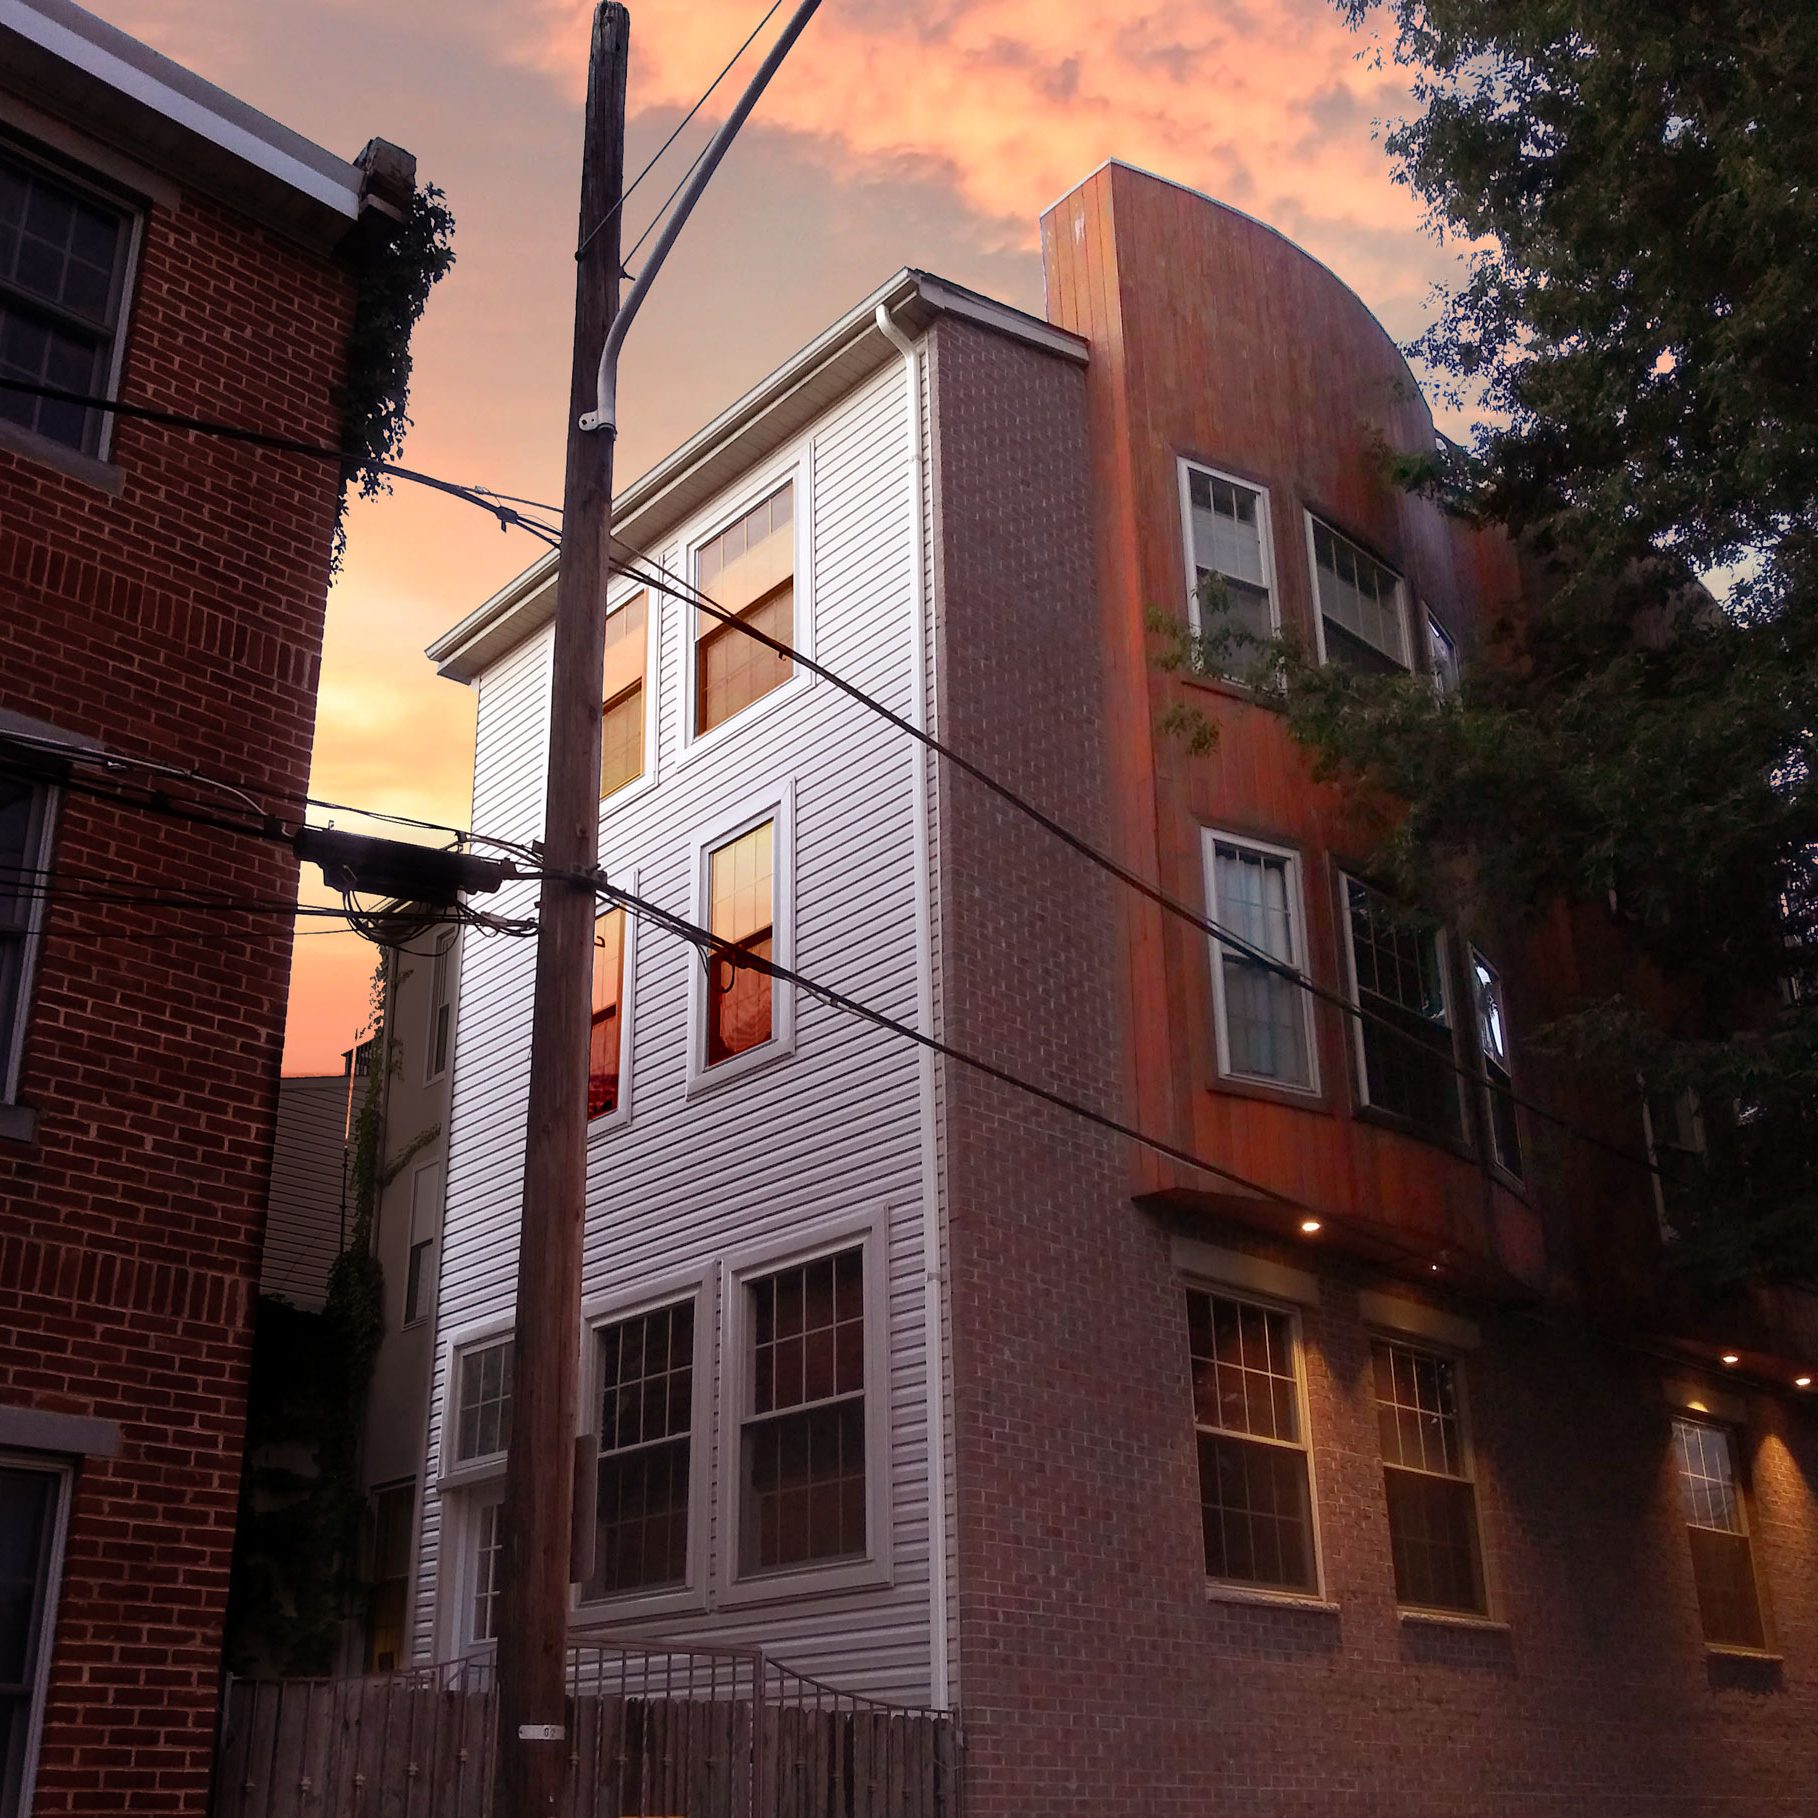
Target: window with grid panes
(1226,524)
(1405,1035)
(741,889)
(24,855)
(480,1616)
(1256,1505)
(1427,1481)
(1723,1561)
(1360,605)
(622,694)
(63,257)
(747,570)
(483,1406)
(606,1041)
(1265,1015)
(1493,1042)
(646,1429)
(802,1435)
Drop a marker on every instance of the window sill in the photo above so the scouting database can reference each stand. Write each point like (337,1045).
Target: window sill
(795,1582)
(703,1081)
(1380,1119)
(698,744)
(1300,1098)
(104,476)
(1726,1650)
(1280,1600)
(18,1124)
(1453,1619)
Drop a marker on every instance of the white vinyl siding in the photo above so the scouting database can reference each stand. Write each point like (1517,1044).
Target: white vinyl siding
(771,1158)
(1264,1019)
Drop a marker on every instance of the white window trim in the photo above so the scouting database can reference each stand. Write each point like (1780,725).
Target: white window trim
(451,957)
(1265,532)
(39,844)
(797,465)
(655,602)
(1319,616)
(776,805)
(698,1286)
(410,1243)
(1239,1588)
(1443,957)
(452,1472)
(1209,842)
(65,1476)
(620,1115)
(871,1236)
(460,1523)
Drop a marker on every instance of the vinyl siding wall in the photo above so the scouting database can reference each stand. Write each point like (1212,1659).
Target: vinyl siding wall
(820,1139)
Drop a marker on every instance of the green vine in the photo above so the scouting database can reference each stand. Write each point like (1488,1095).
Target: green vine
(394,284)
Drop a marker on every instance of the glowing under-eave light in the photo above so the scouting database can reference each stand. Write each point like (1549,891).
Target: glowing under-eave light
(1730,1357)
(1802,1382)
(1308,1226)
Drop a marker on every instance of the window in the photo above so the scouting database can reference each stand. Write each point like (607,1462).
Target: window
(802,1442)
(1723,1561)
(741,891)
(646,1438)
(1493,1039)
(64,250)
(25,819)
(749,570)
(483,1406)
(606,1044)
(1675,1132)
(1360,606)
(1426,1472)
(388,1580)
(1404,1039)
(425,1219)
(622,693)
(1442,657)
(479,1612)
(441,1009)
(1228,543)
(1256,1504)
(1264,1020)
(32,1498)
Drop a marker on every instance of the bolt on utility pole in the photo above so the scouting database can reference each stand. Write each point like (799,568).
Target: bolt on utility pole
(534,1579)
(537,1516)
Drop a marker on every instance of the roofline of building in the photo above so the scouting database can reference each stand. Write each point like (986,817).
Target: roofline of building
(764,418)
(67,61)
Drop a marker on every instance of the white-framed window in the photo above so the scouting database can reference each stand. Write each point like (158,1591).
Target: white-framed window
(1499,1077)
(438,1042)
(425,1224)
(26,818)
(651,1371)
(1225,528)
(1362,613)
(1406,1057)
(479,1425)
(67,250)
(628,701)
(805,1471)
(1675,1133)
(34,1515)
(1442,657)
(608,1042)
(1264,1020)
(1717,1529)
(1255,1463)
(481,1532)
(752,560)
(1429,1483)
(741,1016)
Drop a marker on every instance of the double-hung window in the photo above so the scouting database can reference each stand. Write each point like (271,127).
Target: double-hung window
(622,709)
(480,1438)
(1227,526)
(741,895)
(1362,611)
(606,1042)
(1255,1482)
(1265,1028)
(1404,1035)
(25,821)
(425,1222)
(1716,1518)
(748,570)
(441,1008)
(646,1432)
(1499,1081)
(1426,1467)
(388,1577)
(64,253)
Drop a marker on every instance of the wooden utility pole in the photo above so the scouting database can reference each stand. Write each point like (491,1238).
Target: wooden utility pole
(539,1475)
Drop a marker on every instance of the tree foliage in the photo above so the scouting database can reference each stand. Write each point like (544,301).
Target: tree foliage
(1637,317)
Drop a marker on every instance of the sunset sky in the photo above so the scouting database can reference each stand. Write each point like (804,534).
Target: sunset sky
(901,132)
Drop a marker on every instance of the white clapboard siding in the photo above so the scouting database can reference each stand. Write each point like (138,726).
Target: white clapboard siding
(306,1209)
(832,1132)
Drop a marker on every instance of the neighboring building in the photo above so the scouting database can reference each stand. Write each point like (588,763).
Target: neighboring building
(1396,1495)
(161,596)
(306,1214)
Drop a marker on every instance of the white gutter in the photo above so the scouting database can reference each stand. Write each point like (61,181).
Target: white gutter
(933,1273)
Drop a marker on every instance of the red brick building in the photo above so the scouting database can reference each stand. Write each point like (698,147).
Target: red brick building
(161,599)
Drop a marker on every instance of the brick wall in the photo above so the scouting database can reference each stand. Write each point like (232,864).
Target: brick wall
(179,620)
(1095,1675)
